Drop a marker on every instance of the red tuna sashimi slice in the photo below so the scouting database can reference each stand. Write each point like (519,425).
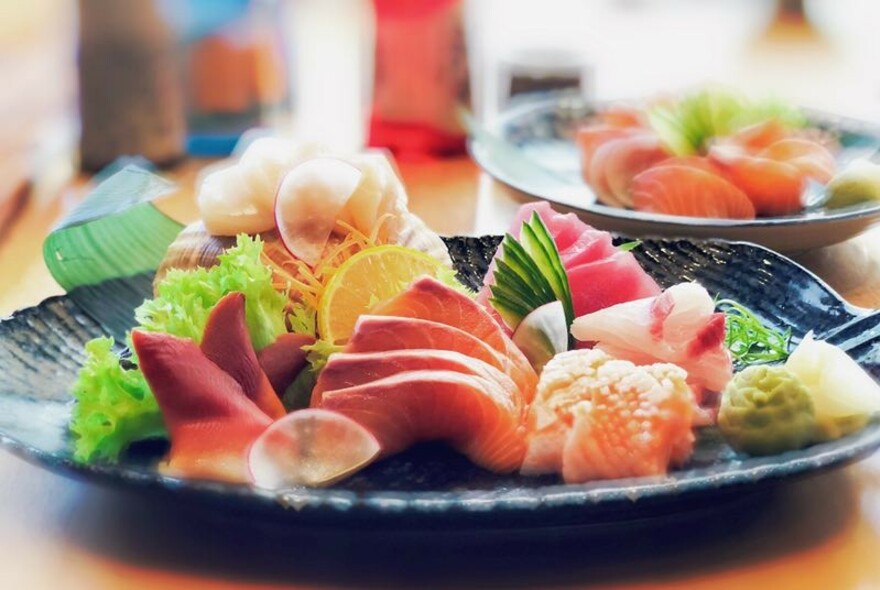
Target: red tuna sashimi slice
(679,327)
(609,281)
(284,359)
(474,415)
(429,299)
(351,369)
(227,343)
(632,429)
(618,162)
(592,245)
(210,420)
(689,191)
(390,333)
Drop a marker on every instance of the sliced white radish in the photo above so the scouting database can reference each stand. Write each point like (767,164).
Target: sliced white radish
(310,199)
(542,334)
(312,448)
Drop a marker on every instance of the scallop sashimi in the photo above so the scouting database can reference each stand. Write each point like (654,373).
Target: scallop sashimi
(679,326)
(689,191)
(475,416)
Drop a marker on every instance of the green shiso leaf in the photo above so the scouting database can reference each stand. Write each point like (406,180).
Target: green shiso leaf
(750,341)
(528,274)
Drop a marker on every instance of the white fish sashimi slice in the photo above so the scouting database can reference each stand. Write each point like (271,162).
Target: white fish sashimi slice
(310,199)
(658,326)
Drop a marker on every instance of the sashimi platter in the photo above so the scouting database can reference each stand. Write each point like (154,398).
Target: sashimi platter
(312,347)
(706,162)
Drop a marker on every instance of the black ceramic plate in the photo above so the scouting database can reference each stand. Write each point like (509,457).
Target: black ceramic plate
(531,148)
(41,348)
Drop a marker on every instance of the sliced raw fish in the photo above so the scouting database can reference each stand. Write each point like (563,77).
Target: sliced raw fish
(227,343)
(284,359)
(475,416)
(429,299)
(625,159)
(347,369)
(680,327)
(390,333)
(609,281)
(210,420)
(689,191)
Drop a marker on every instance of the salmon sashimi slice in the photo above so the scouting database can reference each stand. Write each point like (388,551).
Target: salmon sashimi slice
(389,333)
(609,281)
(227,343)
(591,138)
(351,369)
(284,359)
(619,161)
(622,157)
(811,158)
(474,415)
(699,162)
(210,420)
(680,326)
(595,417)
(760,135)
(689,191)
(429,299)
(637,424)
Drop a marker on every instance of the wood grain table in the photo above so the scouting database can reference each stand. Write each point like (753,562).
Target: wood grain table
(822,532)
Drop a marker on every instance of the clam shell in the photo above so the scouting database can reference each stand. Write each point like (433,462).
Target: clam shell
(194,247)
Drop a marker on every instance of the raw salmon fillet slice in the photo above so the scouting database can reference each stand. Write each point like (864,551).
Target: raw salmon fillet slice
(347,369)
(390,333)
(429,299)
(638,427)
(689,191)
(474,415)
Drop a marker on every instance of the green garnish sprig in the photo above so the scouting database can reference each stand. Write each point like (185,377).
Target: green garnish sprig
(750,341)
(528,274)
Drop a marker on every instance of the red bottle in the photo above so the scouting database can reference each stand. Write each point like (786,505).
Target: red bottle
(421,78)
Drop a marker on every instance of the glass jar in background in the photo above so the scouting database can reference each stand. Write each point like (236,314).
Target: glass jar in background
(233,69)
(165,78)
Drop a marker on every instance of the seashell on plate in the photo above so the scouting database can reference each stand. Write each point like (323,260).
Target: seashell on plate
(194,247)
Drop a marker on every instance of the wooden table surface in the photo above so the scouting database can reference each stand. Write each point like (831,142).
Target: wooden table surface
(822,532)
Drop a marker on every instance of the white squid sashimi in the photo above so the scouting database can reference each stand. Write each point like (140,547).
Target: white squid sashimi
(240,197)
(679,326)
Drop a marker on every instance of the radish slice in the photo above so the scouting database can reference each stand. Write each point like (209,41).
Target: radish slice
(310,447)
(310,199)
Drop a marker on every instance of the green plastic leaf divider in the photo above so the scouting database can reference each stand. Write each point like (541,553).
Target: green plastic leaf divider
(105,251)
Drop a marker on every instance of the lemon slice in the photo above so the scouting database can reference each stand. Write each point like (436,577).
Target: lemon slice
(366,279)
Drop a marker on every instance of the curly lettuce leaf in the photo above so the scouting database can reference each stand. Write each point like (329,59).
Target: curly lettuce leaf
(114,408)
(299,393)
(186,297)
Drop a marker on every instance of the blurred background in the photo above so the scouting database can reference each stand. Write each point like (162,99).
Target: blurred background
(87,81)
